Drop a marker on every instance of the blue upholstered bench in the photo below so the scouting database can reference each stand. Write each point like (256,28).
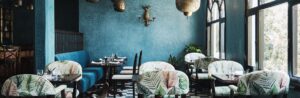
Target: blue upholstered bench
(90,75)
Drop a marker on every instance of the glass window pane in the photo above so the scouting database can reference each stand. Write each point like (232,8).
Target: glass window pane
(252,3)
(265,1)
(215,12)
(274,28)
(215,34)
(251,41)
(222,10)
(222,42)
(296,22)
(208,41)
(208,16)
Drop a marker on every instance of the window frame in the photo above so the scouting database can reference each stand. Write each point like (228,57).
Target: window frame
(290,28)
(221,20)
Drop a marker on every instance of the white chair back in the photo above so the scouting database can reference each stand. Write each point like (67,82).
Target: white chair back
(156,66)
(191,57)
(225,67)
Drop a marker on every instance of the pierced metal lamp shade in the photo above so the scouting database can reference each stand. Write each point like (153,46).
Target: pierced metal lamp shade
(188,6)
(119,5)
(93,1)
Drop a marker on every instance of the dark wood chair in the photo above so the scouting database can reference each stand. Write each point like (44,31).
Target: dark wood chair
(127,70)
(125,78)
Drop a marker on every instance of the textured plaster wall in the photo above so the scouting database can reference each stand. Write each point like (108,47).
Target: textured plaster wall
(107,31)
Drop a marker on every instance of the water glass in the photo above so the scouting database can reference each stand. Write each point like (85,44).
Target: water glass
(40,72)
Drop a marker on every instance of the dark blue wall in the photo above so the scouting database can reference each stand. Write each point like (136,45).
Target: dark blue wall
(107,31)
(44,33)
(235,30)
(66,15)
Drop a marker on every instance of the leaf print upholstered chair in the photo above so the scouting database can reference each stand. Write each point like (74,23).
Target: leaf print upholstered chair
(155,66)
(262,83)
(163,83)
(66,67)
(223,67)
(27,85)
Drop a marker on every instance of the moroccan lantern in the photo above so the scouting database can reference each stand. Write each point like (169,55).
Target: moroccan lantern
(119,5)
(188,6)
(93,1)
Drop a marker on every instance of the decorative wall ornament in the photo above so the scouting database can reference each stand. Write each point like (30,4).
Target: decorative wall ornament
(188,6)
(93,1)
(119,5)
(146,18)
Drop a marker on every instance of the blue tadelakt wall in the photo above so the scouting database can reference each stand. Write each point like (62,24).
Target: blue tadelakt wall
(107,31)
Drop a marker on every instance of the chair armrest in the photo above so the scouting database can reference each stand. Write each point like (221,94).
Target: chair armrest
(233,87)
(60,88)
(233,90)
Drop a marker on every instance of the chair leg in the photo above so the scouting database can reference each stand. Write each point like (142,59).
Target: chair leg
(133,89)
(63,94)
(140,95)
(114,88)
(285,95)
(183,95)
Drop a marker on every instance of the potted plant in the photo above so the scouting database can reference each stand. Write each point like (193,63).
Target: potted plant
(192,48)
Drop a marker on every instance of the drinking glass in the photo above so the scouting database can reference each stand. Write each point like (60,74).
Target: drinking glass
(40,72)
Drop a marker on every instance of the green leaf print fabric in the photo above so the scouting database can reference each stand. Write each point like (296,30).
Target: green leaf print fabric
(27,85)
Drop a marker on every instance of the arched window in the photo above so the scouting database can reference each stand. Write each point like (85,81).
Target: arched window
(216,28)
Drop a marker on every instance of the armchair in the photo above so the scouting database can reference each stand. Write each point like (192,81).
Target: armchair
(67,67)
(163,83)
(165,80)
(190,59)
(27,85)
(223,67)
(262,83)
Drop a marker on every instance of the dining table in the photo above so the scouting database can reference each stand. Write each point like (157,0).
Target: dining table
(228,79)
(110,65)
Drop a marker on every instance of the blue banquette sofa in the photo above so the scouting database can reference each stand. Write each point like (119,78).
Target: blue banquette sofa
(90,75)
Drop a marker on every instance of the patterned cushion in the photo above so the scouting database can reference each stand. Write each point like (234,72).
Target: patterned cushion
(126,72)
(27,85)
(222,91)
(264,83)
(225,67)
(121,77)
(156,66)
(191,57)
(65,67)
(163,83)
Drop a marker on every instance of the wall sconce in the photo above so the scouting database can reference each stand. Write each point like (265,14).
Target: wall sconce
(119,5)
(93,1)
(146,16)
(188,6)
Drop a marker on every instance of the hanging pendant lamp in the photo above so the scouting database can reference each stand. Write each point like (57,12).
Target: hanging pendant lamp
(119,5)
(188,6)
(93,1)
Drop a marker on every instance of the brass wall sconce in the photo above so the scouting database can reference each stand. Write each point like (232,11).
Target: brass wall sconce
(146,16)
(119,5)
